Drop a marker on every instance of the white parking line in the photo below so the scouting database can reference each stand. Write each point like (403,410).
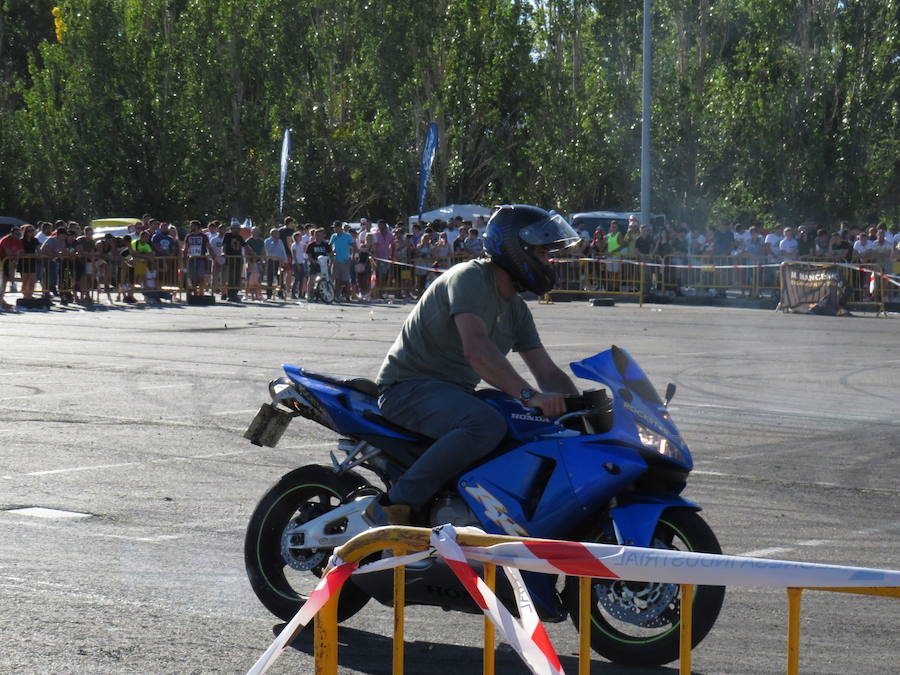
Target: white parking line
(738,476)
(161,460)
(73,469)
(766,552)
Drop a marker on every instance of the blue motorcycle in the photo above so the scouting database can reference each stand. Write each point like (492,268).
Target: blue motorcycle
(610,470)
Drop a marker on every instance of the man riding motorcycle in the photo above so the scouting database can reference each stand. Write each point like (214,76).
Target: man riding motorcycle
(459,334)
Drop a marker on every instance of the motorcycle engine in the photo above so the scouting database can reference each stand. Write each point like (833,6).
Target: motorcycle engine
(452,509)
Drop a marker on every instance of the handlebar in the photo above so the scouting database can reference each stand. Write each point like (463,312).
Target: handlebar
(587,403)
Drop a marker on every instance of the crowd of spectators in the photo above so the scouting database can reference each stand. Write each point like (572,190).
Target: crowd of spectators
(365,261)
(874,244)
(73,264)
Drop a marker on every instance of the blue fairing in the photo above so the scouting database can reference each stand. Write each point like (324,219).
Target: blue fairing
(552,479)
(342,407)
(501,491)
(636,516)
(524,424)
(634,398)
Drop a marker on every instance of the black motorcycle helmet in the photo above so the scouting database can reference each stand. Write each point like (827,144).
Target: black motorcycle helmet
(512,234)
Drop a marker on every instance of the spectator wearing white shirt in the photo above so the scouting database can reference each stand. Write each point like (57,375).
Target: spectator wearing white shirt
(893,234)
(862,248)
(215,246)
(882,249)
(741,239)
(771,245)
(787,247)
(298,263)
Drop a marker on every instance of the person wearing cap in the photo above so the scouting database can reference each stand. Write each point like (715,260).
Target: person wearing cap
(364,228)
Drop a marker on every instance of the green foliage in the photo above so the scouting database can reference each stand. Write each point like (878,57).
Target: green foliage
(763,110)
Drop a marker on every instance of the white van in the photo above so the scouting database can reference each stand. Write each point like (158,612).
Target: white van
(591,220)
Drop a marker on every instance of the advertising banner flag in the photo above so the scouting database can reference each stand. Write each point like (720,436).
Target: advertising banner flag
(431,144)
(285,153)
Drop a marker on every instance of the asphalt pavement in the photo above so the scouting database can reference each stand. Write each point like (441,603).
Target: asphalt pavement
(121,436)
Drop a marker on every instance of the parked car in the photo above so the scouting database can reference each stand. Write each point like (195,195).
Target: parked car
(591,220)
(115,226)
(7,223)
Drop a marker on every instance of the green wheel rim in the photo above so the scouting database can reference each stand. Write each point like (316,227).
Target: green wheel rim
(259,561)
(649,640)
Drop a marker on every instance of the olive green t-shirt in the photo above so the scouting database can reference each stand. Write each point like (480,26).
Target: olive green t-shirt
(429,345)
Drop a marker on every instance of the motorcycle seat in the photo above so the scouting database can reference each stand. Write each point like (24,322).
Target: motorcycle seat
(359,384)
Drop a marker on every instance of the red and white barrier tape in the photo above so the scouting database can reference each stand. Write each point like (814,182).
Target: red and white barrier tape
(328,585)
(427,268)
(642,263)
(527,637)
(634,563)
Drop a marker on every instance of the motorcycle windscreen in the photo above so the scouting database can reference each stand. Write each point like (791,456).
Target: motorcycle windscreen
(615,368)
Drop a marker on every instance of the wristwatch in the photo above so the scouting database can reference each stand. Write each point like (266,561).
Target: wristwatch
(526,394)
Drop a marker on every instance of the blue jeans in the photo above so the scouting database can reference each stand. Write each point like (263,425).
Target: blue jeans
(465,428)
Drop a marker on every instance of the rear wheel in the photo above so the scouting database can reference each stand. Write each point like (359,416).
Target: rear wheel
(639,623)
(282,574)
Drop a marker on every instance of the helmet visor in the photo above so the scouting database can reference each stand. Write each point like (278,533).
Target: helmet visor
(554,232)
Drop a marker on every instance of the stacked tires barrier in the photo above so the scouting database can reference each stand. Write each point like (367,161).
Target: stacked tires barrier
(585,560)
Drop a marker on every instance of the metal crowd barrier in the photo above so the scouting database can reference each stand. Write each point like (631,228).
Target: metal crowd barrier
(605,276)
(408,277)
(404,540)
(647,276)
(73,277)
(93,275)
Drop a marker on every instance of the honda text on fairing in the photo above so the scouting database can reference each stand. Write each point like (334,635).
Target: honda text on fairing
(611,470)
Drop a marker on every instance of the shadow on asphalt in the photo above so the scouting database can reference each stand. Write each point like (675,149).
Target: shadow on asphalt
(370,653)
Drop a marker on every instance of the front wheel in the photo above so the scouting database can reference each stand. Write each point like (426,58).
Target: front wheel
(638,623)
(281,573)
(325,291)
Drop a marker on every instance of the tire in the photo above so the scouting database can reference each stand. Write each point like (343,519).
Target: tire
(325,291)
(657,641)
(299,496)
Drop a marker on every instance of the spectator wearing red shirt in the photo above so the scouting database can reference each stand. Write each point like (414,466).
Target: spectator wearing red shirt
(10,250)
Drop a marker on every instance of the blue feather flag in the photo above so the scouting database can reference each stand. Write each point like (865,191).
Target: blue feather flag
(285,153)
(431,144)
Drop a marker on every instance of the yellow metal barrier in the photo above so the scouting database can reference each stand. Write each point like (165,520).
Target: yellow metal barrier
(600,276)
(793,645)
(403,540)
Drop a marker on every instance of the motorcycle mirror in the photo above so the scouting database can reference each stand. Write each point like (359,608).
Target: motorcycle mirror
(670,392)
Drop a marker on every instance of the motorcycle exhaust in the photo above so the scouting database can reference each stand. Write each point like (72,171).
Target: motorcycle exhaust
(268,426)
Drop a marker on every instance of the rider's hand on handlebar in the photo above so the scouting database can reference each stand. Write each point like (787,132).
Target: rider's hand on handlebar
(550,403)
